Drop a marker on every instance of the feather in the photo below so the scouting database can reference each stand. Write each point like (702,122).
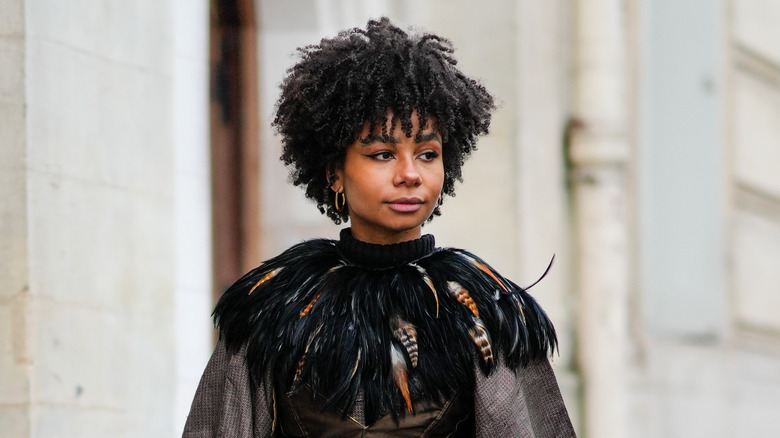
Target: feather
(546,271)
(400,374)
(310,305)
(299,369)
(480,337)
(462,295)
(357,363)
(519,301)
(302,360)
(358,348)
(265,278)
(428,281)
(484,268)
(406,334)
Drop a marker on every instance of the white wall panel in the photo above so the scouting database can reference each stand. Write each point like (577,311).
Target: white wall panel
(757,132)
(756,276)
(756,27)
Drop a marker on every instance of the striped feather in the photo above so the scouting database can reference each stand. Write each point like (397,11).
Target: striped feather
(480,337)
(462,295)
(302,360)
(406,334)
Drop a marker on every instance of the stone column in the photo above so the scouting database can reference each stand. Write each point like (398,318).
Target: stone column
(87,246)
(15,326)
(599,154)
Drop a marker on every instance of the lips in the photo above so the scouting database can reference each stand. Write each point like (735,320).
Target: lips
(406,205)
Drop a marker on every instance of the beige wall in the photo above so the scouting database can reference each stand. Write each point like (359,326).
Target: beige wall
(15,357)
(706,359)
(104,224)
(89,243)
(192,202)
(754,128)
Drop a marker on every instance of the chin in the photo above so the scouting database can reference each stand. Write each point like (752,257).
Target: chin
(409,222)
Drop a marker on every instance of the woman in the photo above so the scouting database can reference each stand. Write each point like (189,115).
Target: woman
(379,333)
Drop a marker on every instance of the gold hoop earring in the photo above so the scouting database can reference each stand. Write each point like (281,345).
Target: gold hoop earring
(343,201)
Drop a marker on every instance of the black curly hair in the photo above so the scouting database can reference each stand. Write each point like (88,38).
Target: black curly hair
(361,76)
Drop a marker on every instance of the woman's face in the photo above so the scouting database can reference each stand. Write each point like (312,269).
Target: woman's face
(392,183)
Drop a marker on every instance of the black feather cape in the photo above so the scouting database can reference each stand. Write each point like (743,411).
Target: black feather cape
(327,314)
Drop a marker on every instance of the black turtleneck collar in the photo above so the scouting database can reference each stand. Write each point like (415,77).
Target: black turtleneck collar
(378,256)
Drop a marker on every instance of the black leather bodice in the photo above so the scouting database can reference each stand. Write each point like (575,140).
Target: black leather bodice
(300,415)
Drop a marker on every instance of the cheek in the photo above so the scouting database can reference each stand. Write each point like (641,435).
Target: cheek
(439,178)
(361,188)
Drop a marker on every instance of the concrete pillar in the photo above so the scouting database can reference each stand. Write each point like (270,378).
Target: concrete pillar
(15,326)
(599,155)
(543,43)
(88,240)
(192,188)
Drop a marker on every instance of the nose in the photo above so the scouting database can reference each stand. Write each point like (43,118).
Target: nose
(407,172)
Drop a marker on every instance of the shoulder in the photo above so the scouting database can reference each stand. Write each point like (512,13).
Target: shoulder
(462,257)
(461,265)
(306,254)
(266,289)
(513,321)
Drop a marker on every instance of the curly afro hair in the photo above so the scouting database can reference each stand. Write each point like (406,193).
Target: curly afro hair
(360,77)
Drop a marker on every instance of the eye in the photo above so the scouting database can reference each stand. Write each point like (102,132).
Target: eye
(429,155)
(382,155)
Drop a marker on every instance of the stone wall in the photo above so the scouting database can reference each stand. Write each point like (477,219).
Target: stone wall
(705,359)
(89,214)
(753,121)
(104,220)
(15,327)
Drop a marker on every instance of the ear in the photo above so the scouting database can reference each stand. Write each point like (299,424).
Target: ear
(336,180)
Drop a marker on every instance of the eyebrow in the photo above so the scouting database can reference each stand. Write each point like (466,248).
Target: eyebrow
(384,138)
(428,136)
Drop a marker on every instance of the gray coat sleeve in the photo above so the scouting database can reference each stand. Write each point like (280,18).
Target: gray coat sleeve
(526,403)
(227,402)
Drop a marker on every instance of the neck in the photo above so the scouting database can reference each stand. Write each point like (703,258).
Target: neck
(383,255)
(369,236)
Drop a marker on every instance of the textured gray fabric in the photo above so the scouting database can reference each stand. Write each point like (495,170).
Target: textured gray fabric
(499,406)
(227,403)
(525,404)
(543,397)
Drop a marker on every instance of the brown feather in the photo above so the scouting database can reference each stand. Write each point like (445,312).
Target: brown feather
(489,272)
(265,278)
(310,305)
(400,374)
(406,335)
(299,369)
(462,295)
(480,338)
(484,268)
(302,360)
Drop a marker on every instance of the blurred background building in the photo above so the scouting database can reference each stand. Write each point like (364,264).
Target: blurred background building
(636,140)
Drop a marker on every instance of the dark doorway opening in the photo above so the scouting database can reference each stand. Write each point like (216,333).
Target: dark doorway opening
(235,158)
